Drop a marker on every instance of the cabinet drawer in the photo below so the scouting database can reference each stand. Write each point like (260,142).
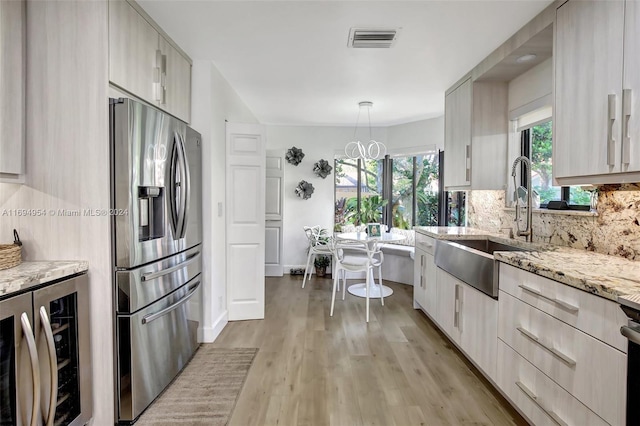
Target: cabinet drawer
(425,243)
(596,316)
(592,371)
(537,397)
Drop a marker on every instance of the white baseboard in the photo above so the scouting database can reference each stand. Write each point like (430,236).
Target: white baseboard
(210,334)
(287,268)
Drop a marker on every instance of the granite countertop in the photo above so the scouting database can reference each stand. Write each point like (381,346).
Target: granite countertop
(611,277)
(32,274)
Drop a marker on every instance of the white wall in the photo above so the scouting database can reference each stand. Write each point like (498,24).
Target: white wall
(429,133)
(214,101)
(325,143)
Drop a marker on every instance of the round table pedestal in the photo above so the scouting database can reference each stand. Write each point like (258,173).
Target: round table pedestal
(360,290)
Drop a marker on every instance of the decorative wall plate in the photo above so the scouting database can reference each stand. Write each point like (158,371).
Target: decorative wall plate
(304,190)
(294,156)
(322,168)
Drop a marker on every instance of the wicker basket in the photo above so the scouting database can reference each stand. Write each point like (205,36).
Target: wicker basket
(10,255)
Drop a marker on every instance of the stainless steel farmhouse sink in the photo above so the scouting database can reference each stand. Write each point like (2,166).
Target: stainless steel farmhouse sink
(472,261)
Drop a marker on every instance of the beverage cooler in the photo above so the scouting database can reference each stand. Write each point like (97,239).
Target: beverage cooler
(45,358)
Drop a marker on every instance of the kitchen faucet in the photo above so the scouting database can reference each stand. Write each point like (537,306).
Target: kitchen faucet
(528,232)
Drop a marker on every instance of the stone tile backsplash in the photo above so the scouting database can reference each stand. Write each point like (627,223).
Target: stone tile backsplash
(615,230)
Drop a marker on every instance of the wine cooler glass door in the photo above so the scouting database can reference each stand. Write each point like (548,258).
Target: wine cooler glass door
(62,336)
(19,387)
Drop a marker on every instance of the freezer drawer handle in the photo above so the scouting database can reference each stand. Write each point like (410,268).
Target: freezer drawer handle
(35,369)
(165,311)
(535,399)
(53,366)
(154,275)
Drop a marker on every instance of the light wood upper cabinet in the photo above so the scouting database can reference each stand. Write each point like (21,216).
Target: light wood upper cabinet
(476,124)
(12,89)
(631,82)
(132,50)
(596,130)
(144,63)
(177,84)
(457,136)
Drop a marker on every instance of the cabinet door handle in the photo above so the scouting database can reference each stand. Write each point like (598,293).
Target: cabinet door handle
(421,281)
(467,162)
(53,366)
(35,369)
(626,117)
(565,305)
(457,308)
(539,403)
(611,142)
(529,335)
(157,76)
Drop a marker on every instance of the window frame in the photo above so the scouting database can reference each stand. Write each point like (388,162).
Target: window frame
(386,192)
(525,150)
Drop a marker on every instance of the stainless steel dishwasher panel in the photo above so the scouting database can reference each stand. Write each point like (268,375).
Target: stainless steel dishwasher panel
(154,344)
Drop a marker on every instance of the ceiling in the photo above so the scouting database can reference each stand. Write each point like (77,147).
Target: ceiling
(289,60)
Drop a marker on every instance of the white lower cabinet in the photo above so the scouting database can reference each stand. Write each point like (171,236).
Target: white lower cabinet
(590,370)
(424,275)
(419,293)
(470,319)
(479,328)
(447,310)
(537,397)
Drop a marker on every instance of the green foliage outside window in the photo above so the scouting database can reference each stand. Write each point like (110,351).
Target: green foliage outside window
(541,165)
(402,192)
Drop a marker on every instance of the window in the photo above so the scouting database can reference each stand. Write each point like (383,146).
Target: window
(537,145)
(410,183)
(358,191)
(414,191)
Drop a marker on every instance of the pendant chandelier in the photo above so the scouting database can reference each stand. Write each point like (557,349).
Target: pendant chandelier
(371,150)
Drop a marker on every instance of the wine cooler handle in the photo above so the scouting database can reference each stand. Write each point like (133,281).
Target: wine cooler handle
(35,369)
(53,366)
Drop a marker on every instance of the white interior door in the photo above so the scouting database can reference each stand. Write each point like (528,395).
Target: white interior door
(245,196)
(273,214)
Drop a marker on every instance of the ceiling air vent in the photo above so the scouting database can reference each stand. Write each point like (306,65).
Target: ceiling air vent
(372,37)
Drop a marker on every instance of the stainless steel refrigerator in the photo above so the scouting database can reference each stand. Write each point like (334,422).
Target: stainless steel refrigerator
(156,241)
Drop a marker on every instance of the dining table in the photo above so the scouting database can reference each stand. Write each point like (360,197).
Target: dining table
(360,289)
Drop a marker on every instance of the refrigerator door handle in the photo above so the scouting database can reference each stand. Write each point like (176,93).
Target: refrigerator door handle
(152,317)
(186,188)
(173,193)
(53,366)
(35,369)
(153,275)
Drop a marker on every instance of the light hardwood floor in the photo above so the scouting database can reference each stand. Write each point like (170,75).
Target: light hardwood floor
(313,369)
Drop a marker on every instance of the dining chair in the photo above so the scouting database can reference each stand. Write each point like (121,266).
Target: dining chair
(356,257)
(319,244)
